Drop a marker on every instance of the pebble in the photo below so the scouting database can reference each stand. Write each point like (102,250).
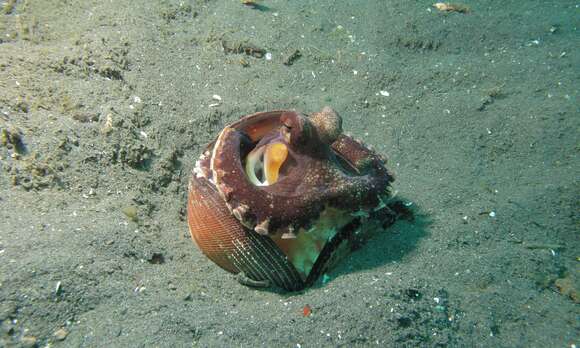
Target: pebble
(7,327)
(60,334)
(28,341)
(131,212)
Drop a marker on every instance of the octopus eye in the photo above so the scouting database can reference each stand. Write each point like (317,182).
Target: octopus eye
(263,164)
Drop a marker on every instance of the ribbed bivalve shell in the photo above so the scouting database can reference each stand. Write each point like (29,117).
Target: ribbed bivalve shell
(232,246)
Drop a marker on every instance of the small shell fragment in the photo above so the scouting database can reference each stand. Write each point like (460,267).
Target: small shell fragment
(216,98)
(448,7)
(58,288)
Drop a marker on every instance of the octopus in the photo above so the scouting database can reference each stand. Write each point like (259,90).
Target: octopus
(279,196)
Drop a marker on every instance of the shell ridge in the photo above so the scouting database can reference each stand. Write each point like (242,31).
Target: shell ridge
(204,206)
(241,257)
(284,272)
(253,265)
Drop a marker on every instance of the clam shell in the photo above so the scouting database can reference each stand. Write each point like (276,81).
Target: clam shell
(222,238)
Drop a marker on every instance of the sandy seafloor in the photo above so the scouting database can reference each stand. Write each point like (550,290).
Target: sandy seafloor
(105,106)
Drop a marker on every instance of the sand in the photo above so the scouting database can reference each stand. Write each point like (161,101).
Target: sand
(105,105)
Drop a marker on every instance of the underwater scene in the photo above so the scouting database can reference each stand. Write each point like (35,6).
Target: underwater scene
(238,173)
